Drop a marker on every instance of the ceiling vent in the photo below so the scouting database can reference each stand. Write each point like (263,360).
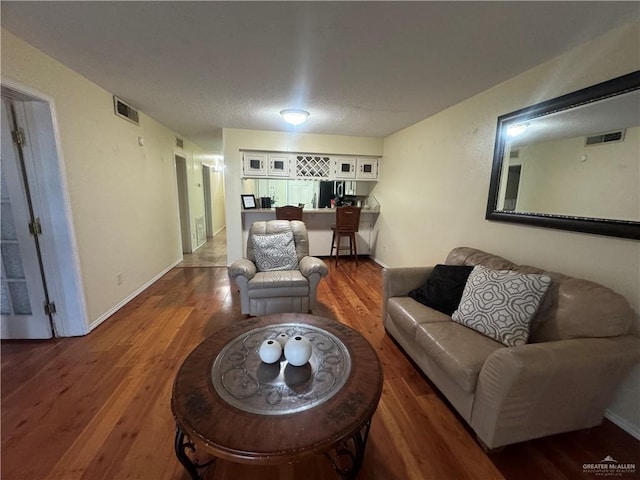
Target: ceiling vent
(124,110)
(617,136)
(179,143)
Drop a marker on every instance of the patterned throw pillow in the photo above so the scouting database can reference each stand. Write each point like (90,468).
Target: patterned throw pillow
(501,304)
(276,251)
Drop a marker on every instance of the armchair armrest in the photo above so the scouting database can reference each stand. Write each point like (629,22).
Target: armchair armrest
(242,267)
(313,269)
(545,388)
(309,265)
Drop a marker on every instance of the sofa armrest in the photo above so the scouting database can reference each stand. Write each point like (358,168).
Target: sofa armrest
(242,267)
(546,388)
(399,281)
(309,265)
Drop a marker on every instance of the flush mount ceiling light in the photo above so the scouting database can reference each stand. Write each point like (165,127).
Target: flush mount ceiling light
(294,116)
(516,129)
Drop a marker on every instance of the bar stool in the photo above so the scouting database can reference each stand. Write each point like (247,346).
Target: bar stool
(288,212)
(347,223)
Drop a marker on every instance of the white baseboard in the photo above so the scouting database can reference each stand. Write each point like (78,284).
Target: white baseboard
(134,294)
(383,265)
(628,427)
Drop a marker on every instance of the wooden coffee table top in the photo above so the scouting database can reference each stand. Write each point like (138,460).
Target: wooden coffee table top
(320,418)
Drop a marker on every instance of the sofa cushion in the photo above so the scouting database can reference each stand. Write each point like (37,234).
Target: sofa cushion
(407,314)
(443,288)
(456,349)
(501,303)
(275,251)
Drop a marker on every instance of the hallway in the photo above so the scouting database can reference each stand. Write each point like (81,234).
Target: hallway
(211,254)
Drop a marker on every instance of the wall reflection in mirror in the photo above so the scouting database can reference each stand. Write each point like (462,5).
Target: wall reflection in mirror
(575,158)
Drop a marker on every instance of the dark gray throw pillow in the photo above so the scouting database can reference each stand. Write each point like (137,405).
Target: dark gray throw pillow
(443,288)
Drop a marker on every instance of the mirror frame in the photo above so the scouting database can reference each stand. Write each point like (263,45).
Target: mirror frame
(601,226)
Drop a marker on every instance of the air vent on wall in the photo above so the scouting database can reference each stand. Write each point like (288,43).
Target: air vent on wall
(514,154)
(179,142)
(617,136)
(124,110)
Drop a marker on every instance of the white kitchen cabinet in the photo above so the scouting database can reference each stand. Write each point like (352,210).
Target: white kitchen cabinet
(367,169)
(255,165)
(355,168)
(344,168)
(278,165)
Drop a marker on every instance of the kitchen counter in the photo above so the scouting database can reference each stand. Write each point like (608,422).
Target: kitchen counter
(318,222)
(306,210)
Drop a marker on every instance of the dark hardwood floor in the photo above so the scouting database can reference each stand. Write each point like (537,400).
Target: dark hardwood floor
(98,407)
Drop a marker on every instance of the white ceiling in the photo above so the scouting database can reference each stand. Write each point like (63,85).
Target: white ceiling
(360,68)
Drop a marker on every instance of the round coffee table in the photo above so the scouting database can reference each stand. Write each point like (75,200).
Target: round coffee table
(229,404)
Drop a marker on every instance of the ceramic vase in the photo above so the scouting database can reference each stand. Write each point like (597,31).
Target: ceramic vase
(282,339)
(270,351)
(297,351)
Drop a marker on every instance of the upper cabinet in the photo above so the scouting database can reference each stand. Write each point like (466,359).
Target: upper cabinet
(351,168)
(367,169)
(266,165)
(309,166)
(344,167)
(279,165)
(255,164)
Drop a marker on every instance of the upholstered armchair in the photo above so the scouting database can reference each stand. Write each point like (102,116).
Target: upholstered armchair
(277,275)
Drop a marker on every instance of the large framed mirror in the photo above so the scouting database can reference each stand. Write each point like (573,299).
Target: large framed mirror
(572,162)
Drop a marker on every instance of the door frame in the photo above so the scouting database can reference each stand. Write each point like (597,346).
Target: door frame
(48,181)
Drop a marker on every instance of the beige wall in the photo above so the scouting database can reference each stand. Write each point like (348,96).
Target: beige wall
(236,139)
(434,185)
(123,196)
(568,178)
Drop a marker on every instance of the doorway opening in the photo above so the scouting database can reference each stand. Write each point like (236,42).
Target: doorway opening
(213,252)
(513,187)
(183,203)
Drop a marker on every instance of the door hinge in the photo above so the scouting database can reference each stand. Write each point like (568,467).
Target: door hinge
(35,228)
(49,308)
(18,136)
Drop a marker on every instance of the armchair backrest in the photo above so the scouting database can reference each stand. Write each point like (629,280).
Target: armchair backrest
(298,228)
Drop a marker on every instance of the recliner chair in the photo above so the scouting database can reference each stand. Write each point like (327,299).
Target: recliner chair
(277,275)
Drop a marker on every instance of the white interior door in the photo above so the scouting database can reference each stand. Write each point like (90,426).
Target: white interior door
(23,290)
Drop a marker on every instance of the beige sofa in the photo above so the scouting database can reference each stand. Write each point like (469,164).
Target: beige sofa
(563,379)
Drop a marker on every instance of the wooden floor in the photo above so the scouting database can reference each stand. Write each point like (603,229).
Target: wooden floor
(212,254)
(98,407)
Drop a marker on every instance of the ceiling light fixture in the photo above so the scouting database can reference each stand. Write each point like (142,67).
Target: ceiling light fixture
(294,116)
